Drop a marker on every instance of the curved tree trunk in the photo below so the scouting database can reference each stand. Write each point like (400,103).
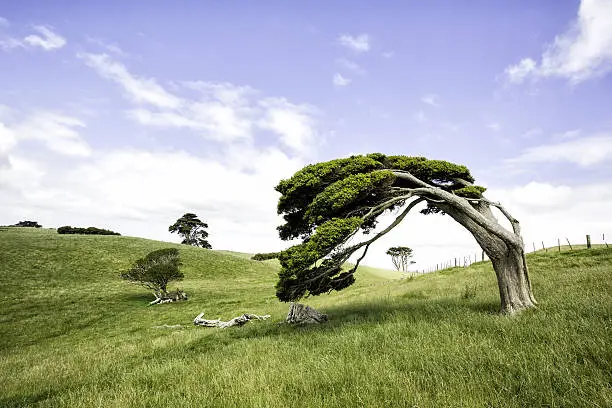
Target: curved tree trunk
(513,280)
(507,257)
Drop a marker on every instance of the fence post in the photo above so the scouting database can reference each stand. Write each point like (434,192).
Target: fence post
(533,246)
(559,244)
(482,256)
(545,249)
(568,243)
(588,241)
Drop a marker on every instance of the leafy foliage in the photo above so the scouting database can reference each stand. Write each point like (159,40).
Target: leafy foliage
(156,270)
(192,229)
(86,231)
(265,256)
(400,256)
(324,204)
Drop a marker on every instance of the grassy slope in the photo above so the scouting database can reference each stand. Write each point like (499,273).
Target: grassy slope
(73,334)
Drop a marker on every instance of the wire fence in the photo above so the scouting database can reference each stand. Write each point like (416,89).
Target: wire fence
(561,245)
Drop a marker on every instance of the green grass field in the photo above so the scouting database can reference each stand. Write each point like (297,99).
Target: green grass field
(72,334)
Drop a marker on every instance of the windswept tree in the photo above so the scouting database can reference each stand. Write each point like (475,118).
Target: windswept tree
(192,230)
(327,204)
(155,271)
(400,256)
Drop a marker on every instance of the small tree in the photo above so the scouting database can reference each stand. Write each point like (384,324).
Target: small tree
(192,230)
(400,256)
(155,271)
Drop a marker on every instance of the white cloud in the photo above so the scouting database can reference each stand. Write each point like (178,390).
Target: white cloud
(140,90)
(359,43)
(431,99)
(49,40)
(293,123)
(350,65)
(517,73)
(4,22)
(388,54)
(549,211)
(59,133)
(584,152)
(584,51)
(340,81)
(140,193)
(222,112)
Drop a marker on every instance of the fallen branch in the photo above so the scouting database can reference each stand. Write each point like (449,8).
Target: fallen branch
(236,321)
(168,297)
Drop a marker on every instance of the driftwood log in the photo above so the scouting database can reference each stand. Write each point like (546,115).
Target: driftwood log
(236,321)
(299,313)
(169,297)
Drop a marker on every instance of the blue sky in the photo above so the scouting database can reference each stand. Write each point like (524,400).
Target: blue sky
(128,115)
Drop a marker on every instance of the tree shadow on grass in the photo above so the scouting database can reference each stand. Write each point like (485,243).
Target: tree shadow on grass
(26,400)
(355,315)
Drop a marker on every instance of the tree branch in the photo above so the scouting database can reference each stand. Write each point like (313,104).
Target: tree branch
(463,205)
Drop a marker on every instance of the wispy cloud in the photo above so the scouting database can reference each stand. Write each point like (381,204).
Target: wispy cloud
(4,22)
(359,43)
(350,65)
(223,112)
(431,99)
(108,46)
(139,89)
(388,54)
(45,39)
(588,151)
(420,116)
(58,132)
(582,52)
(48,41)
(340,80)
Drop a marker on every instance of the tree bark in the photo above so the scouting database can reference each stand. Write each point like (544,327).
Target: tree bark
(513,281)
(507,257)
(299,313)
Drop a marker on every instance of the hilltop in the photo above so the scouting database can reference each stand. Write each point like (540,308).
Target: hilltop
(74,334)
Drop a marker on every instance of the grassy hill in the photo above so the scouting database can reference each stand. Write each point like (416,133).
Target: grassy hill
(73,334)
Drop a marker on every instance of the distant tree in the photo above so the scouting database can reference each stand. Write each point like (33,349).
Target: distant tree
(31,224)
(400,256)
(155,271)
(265,256)
(192,230)
(67,229)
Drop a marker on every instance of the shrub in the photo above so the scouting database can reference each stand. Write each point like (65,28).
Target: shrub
(265,256)
(67,229)
(30,224)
